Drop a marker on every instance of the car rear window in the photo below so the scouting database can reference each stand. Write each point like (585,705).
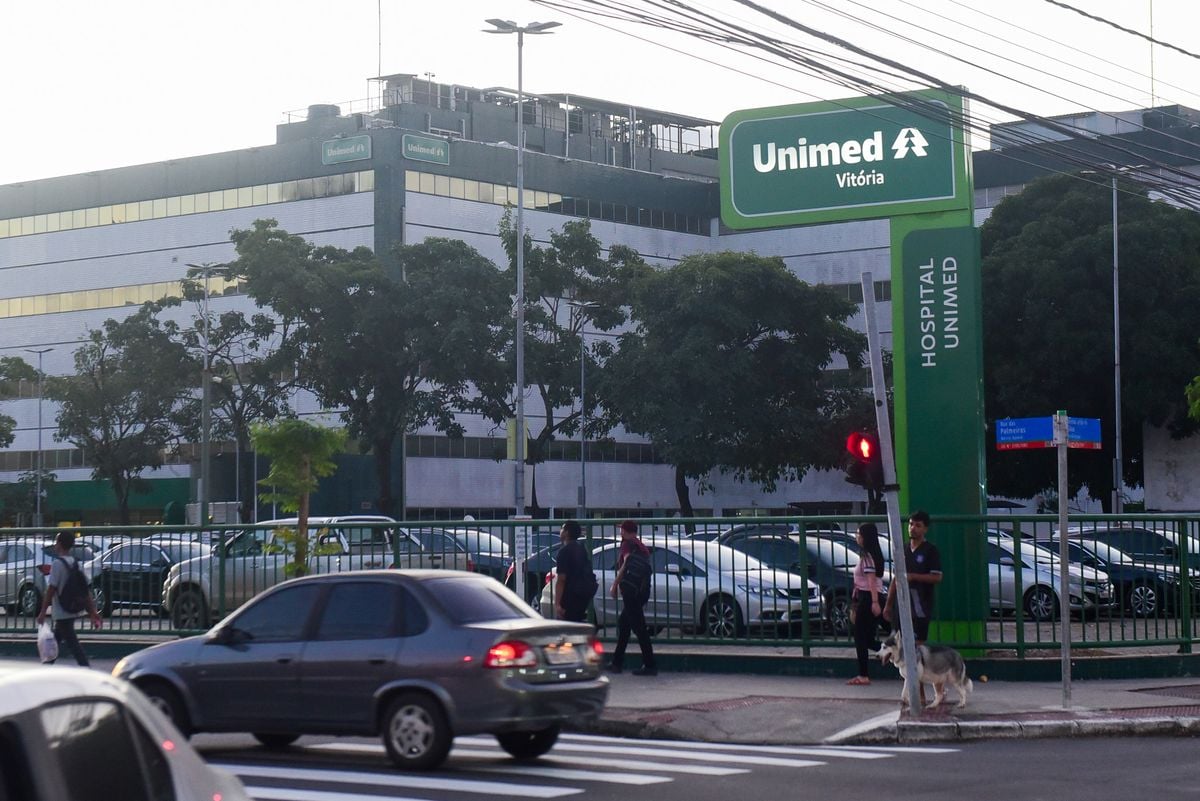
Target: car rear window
(474,601)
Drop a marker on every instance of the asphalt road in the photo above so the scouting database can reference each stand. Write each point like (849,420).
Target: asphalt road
(603,768)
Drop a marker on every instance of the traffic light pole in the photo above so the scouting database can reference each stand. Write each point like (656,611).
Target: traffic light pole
(891,492)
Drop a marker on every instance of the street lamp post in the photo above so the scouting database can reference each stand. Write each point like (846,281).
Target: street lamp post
(581,307)
(508,26)
(41,466)
(1118,478)
(205,404)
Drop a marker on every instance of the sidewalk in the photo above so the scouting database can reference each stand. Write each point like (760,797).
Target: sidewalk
(794,710)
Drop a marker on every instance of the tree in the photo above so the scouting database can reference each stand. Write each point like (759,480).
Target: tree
(12,369)
(252,360)
(724,369)
(129,400)
(394,349)
(1047,323)
(569,286)
(301,454)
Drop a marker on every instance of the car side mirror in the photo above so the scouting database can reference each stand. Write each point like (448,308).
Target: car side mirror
(674,570)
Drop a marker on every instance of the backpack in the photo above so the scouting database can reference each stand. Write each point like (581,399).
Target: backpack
(636,577)
(73,595)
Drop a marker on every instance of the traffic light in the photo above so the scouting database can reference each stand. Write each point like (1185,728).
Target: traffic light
(865,467)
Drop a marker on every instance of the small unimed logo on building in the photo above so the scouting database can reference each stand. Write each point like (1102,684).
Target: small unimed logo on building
(351,148)
(425,148)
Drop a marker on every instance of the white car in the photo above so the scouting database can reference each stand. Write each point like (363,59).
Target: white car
(1089,589)
(69,732)
(704,587)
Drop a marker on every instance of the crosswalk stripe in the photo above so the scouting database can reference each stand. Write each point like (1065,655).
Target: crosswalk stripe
(398,780)
(784,750)
(631,764)
(663,753)
(296,794)
(573,775)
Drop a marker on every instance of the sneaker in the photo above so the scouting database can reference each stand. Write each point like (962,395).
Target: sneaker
(646,671)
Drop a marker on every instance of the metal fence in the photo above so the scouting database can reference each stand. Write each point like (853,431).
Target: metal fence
(1134,580)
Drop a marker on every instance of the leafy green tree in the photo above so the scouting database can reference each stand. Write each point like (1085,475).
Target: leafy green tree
(724,369)
(13,369)
(394,349)
(570,287)
(130,398)
(252,360)
(1047,323)
(301,454)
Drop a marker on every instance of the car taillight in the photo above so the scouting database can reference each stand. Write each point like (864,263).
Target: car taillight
(470,565)
(508,574)
(510,654)
(597,651)
(549,577)
(44,569)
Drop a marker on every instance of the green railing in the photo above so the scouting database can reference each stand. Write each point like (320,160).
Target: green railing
(744,580)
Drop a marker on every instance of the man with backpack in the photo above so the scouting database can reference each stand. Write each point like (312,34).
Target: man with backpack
(68,596)
(633,583)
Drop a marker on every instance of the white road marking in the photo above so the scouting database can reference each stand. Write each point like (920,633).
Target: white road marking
(295,794)
(614,762)
(574,775)
(398,780)
(783,750)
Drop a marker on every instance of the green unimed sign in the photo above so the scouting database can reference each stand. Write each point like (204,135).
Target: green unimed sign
(425,148)
(350,148)
(843,160)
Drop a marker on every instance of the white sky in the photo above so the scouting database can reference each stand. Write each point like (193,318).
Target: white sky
(94,85)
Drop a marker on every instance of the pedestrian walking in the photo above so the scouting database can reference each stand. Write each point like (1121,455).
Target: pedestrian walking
(575,583)
(633,584)
(867,605)
(66,599)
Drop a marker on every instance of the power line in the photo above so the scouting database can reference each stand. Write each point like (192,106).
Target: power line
(1123,29)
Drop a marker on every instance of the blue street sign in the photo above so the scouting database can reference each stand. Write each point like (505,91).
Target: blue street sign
(1083,432)
(1018,433)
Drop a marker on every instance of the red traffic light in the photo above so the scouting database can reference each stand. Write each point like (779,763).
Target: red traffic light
(863,447)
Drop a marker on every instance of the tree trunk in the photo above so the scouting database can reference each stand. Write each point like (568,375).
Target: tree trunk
(383,448)
(121,489)
(681,492)
(301,556)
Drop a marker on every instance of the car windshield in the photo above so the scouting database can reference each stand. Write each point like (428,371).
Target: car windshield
(481,542)
(1108,553)
(182,551)
(712,556)
(471,600)
(834,553)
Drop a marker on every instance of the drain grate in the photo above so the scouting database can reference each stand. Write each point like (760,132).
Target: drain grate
(1183,691)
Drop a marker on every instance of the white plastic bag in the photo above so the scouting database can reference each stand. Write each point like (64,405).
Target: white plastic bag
(47,645)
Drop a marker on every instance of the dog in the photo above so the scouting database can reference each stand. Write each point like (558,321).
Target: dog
(938,665)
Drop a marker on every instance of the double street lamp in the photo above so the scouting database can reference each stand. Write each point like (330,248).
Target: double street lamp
(508,26)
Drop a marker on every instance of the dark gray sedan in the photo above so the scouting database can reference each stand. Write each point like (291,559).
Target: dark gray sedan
(417,657)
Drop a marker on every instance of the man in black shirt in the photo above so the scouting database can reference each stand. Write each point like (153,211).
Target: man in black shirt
(924,565)
(575,583)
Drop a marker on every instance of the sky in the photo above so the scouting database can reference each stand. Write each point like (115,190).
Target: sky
(91,86)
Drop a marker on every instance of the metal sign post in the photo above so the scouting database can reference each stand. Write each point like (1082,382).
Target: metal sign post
(1061,441)
(883,424)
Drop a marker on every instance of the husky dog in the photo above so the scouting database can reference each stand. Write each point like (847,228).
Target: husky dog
(936,664)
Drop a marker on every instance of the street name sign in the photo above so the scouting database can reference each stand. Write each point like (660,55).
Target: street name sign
(1021,433)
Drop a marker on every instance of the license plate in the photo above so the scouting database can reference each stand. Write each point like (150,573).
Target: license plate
(565,654)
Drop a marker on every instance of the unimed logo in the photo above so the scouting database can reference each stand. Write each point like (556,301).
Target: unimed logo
(773,157)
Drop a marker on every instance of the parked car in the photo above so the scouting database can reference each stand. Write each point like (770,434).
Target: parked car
(828,562)
(704,587)
(132,575)
(539,568)
(488,552)
(416,657)
(1140,543)
(1144,589)
(67,732)
(256,559)
(24,567)
(1090,589)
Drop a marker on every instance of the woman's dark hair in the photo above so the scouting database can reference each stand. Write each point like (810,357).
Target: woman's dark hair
(574,531)
(870,535)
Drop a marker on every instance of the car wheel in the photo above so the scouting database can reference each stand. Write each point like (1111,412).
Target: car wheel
(838,611)
(273,740)
(1041,604)
(1143,600)
(164,697)
(415,732)
(102,599)
(189,610)
(29,601)
(528,744)
(722,617)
